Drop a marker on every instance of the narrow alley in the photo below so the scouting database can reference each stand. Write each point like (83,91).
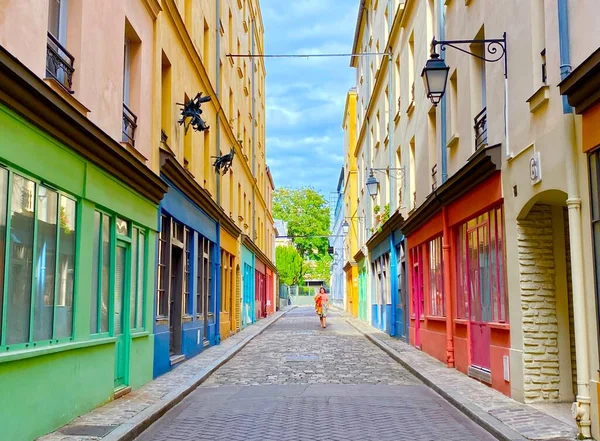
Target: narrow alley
(299,382)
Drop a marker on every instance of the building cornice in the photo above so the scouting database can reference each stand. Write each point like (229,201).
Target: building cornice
(359,256)
(28,95)
(350,95)
(172,170)
(582,86)
(153,7)
(348,266)
(362,7)
(481,165)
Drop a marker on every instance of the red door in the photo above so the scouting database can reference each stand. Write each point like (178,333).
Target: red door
(479,294)
(417,292)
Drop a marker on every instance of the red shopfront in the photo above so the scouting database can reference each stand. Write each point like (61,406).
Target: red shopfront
(270,291)
(459,310)
(260,292)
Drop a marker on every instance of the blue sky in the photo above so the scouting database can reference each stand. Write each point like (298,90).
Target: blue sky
(306,97)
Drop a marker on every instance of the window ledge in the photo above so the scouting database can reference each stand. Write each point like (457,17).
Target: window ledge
(539,98)
(52,349)
(231,60)
(453,142)
(501,326)
(411,107)
(461,322)
(397,117)
(435,318)
(131,149)
(187,319)
(162,320)
(139,334)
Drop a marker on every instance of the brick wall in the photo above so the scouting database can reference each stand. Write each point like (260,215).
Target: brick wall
(538,303)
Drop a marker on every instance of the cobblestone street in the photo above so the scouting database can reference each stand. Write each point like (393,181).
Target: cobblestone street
(297,381)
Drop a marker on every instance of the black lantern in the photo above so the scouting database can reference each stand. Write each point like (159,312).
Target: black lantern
(435,76)
(345,227)
(372,185)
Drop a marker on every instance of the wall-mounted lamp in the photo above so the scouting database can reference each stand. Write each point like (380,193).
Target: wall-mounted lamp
(372,183)
(346,225)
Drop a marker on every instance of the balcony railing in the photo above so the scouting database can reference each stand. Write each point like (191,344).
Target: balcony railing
(129,125)
(481,129)
(59,63)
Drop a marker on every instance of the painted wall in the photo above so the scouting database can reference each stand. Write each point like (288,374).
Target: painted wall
(88,362)
(248,287)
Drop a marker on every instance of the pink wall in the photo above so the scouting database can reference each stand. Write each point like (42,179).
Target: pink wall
(95,37)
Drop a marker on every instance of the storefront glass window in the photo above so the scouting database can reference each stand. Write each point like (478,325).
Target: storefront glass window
(436,281)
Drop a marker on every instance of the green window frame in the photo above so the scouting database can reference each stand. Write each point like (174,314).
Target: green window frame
(110,229)
(39,228)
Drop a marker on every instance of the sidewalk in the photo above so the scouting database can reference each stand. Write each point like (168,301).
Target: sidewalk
(128,416)
(502,416)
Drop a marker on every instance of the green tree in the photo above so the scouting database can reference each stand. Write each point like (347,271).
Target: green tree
(319,269)
(290,265)
(306,213)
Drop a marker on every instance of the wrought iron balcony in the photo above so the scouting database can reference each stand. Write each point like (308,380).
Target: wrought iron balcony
(129,125)
(59,63)
(481,129)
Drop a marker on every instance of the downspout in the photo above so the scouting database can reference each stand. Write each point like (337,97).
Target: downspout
(447,289)
(443,106)
(217,268)
(252,67)
(581,407)
(391,99)
(218,75)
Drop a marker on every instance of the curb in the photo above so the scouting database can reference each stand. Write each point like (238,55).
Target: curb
(494,426)
(135,426)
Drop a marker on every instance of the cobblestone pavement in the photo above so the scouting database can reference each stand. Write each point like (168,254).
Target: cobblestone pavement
(525,420)
(299,382)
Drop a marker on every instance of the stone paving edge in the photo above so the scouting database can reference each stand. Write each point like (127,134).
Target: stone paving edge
(494,426)
(138,424)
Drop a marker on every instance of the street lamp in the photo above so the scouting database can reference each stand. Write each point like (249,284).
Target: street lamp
(372,185)
(435,72)
(435,76)
(345,227)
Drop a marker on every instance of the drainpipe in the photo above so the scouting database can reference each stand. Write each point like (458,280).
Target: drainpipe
(218,75)
(252,65)
(581,407)
(391,99)
(447,289)
(443,106)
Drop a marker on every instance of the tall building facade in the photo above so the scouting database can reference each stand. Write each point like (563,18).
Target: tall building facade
(486,250)
(129,241)
(337,281)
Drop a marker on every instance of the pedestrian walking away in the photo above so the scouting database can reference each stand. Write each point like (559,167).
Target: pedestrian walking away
(321,306)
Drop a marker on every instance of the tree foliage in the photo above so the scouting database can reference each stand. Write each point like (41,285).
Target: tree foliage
(319,269)
(306,213)
(290,265)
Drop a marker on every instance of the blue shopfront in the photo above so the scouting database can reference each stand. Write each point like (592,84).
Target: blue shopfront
(388,281)
(188,261)
(248,287)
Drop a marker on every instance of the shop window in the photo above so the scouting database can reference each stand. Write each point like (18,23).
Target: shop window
(204,292)
(136,300)
(481,286)
(418,301)
(39,273)
(187,299)
(594,163)
(436,280)
(162,294)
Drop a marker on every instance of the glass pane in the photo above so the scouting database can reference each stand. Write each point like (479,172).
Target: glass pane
(47,217)
(594,196)
(134,278)
(106,249)
(95,274)
(53,16)
(66,269)
(21,254)
(139,320)
(3,203)
(473,263)
(119,289)
(122,227)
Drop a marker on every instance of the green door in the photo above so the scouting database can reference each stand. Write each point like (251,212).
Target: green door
(121,328)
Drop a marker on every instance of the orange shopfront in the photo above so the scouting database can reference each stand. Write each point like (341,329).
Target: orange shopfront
(456,271)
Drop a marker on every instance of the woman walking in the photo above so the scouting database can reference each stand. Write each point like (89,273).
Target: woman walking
(321,306)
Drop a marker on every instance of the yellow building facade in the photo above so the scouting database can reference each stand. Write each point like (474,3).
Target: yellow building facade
(350,199)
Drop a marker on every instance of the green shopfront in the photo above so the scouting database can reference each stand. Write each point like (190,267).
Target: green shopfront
(77,251)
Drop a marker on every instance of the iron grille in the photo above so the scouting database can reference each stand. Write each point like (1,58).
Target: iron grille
(59,63)
(129,125)
(481,129)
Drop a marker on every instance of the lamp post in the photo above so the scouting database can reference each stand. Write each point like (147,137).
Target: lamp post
(372,183)
(346,225)
(435,72)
